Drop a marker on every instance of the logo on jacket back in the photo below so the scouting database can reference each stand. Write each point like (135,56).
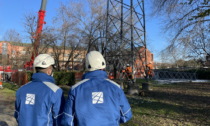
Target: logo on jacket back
(30,99)
(97,97)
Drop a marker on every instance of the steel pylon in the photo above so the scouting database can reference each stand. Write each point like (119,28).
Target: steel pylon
(125,34)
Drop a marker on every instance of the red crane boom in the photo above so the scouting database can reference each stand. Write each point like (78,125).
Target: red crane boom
(40,23)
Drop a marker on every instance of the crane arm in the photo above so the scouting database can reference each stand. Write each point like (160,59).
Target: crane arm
(40,23)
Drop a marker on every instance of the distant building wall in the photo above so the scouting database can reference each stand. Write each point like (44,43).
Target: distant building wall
(17,54)
(142,59)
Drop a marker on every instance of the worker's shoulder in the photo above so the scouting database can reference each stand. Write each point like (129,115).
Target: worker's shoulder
(79,83)
(113,83)
(25,86)
(51,85)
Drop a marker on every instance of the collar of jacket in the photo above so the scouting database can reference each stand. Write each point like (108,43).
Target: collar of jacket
(42,77)
(95,74)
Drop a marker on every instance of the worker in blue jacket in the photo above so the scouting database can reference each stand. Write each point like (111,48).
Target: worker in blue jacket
(96,100)
(40,102)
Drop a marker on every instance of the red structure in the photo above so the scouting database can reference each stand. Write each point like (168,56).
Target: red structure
(40,23)
(6,73)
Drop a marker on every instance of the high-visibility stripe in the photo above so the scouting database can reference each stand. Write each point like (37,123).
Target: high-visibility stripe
(52,86)
(79,83)
(113,83)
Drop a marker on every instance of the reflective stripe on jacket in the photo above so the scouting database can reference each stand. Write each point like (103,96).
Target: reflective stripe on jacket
(96,101)
(39,103)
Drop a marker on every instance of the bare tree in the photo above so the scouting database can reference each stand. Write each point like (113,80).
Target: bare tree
(187,22)
(30,25)
(90,15)
(12,36)
(67,39)
(52,43)
(77,27)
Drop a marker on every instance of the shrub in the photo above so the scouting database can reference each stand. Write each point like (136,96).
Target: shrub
(10,86)
(61,78)
(64,78)
(203,74)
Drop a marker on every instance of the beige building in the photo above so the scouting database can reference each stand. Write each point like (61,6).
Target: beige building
(17,54)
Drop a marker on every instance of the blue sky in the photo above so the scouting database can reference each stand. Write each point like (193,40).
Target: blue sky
(12,17)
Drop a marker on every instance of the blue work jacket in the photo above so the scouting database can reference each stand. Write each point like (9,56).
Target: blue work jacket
(96,101)
(39,102)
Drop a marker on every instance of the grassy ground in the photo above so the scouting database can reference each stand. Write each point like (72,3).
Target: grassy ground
(7,98)
(182,104)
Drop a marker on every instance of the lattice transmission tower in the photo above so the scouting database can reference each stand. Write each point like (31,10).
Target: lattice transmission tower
(125,34)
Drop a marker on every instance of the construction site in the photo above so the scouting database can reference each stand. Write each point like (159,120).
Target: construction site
(160,93)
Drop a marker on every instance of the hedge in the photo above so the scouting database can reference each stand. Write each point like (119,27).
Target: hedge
(10,86)
(61,78)
(203,74)
(64,78)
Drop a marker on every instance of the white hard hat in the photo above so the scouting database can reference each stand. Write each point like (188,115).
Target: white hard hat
(43,61)
(95,61)
(128,65)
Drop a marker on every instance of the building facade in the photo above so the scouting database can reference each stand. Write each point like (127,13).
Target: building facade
(17,54)
(142,59)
